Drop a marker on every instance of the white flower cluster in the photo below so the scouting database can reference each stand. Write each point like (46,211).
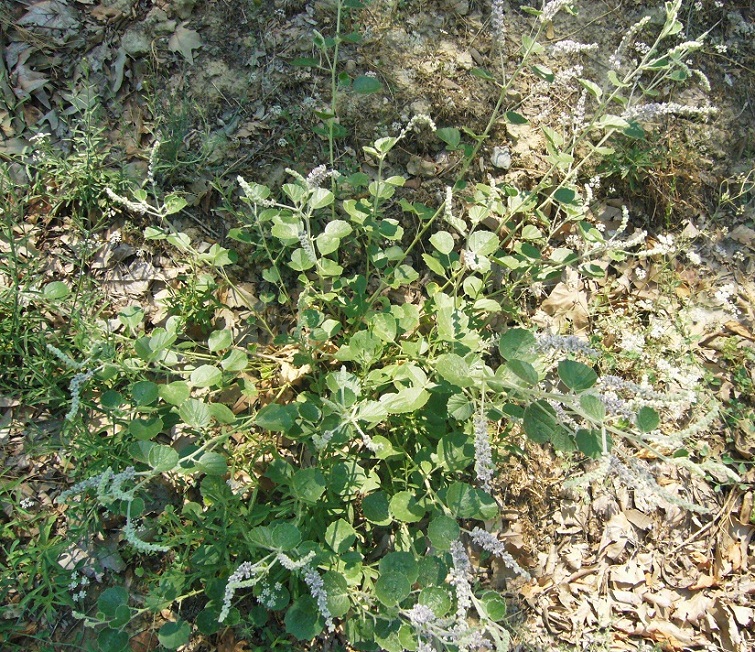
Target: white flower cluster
(551,9)
(78,582)
(498,20)
(318,175)
(417,122)
(460,581)
(615,61)
(491,544)
(153,162)
(138,207)
(292,564)
(632,342)
(268,594)
(547,343)
(253,194)
(129,530)
(317,589)
(483,465)
(653,110)
(247,574)
(306,243)
(321,441)
(569,47)
(74,387)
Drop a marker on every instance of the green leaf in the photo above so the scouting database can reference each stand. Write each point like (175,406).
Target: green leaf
(392,588)
(514,118)
(443,241)
(384,325)
(162,458)
(144,392)
(593,407)
(523,371)
(375,508)
(405,508)
(481,73)
(540,422)
(173,203)
(493,605)
(195,413)
(206,375)
(301,260)
(464,501)
(437,598)
(340,536)
(145,429)
(303,619)
(55,291)
(454,369)
(113,640)
(174,393)
(443,531)
(519,344)
(402,563)
(235,360)
(174,635)
(365,85)
(308,485)
(576,376)
(320,198)
(305,62)
(219,340)
(111,599)
(590,442)
(565,196)
(212,464)
(285,536)
(338,592)
(406,400)
(449,135)
(592,88)
(647,419)
(274,417)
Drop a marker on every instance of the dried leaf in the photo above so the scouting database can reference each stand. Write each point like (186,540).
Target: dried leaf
(185,40)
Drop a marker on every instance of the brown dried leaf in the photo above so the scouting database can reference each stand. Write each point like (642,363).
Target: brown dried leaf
(185,40)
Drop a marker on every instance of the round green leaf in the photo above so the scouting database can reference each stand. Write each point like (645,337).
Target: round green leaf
(366,85)
(144,392)
(162,458)
(647,419)
(443,241)
(113,640)
(519,344)
(375,508)
(206,376)
(493,605)
(195,413)
(437,598)
(404,507)
(401,563)
(340,536)
(145,429)
(111,400)
(174,635)
(443,531)
(285,536)
(337,590)
(219,340)
(235,360)
(212,464)
(308,485)
(392,588)
(540,422)
(593,407)
(110,599)
(464,501)
(303,620)
(576,376)
(174,393)
(56,291)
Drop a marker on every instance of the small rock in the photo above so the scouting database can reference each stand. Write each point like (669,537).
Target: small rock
(501,158)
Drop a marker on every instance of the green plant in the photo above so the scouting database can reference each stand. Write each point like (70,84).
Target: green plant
(350,495)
